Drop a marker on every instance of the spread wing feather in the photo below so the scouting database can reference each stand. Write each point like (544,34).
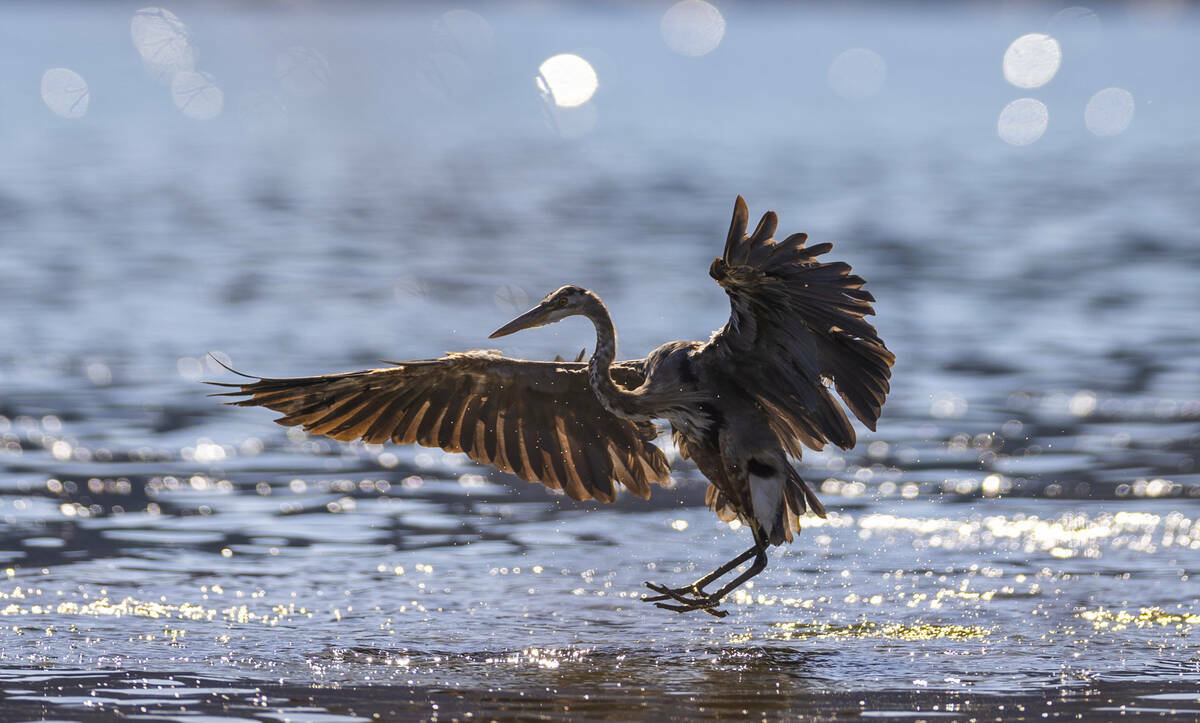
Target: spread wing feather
(537,420)
(796,325)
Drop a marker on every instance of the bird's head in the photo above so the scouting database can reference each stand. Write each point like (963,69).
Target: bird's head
(563,302)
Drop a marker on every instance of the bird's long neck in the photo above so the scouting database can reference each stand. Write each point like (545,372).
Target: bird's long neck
(619,401)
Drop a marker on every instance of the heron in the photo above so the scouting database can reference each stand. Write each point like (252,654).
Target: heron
(740,405)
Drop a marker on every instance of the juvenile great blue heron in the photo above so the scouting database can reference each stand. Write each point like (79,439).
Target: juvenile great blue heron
(739,404)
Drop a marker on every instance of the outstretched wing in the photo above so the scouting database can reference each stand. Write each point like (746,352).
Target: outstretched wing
(797,325)
(539,420)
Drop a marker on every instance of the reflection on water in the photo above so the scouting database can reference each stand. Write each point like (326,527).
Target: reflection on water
(890,631)
(101,695)
(381,183)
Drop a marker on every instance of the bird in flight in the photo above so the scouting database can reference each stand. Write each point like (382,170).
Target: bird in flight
(758,391)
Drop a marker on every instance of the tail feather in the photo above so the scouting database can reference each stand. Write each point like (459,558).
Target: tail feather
(804,496)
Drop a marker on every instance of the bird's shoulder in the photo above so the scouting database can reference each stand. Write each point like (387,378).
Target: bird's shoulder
(673,358)
(544,376)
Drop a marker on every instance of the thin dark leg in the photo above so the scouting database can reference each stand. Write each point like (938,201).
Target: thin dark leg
(697,587)
(760,564)
(698,599)
(709,603)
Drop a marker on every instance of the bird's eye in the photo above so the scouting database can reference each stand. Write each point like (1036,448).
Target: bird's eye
(562,302)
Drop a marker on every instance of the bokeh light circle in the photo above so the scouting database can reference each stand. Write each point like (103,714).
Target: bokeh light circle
(1023,121)
(65,92)
(1109,112)
(857,74)
(162,40)
(692,27)
(197,95)
(302,72)
(1077,29)
(568,79)
(1032,60)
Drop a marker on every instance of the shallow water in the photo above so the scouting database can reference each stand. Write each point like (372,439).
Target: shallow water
(1020,537)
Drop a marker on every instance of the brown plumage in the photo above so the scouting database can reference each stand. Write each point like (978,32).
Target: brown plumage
(760,390)
(537,420)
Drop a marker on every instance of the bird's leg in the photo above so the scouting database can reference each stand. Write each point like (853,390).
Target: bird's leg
(696,589)
(708,603)
(692,597)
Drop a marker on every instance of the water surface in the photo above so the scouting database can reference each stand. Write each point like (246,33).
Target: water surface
(1018,539)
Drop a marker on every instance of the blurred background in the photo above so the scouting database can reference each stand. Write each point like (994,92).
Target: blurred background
(304,187)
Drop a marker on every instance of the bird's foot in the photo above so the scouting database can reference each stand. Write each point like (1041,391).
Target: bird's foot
(689,597)
(687,593)
(708,605)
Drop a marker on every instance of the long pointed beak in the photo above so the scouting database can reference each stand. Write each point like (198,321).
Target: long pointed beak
(534,317)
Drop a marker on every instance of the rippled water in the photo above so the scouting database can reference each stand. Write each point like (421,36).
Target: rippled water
(1019,539)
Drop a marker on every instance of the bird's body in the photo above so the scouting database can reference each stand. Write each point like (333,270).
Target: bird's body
(738,404)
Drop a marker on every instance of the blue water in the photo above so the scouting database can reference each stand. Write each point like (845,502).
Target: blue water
(1025,517)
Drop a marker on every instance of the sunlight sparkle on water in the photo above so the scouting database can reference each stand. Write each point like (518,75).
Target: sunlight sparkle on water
(1103,619)
(35,601)
(1109,112)
(1032,60)
(888,631)
(857,74)
(1023,121)
(692,28)
(568,79)
(65,92)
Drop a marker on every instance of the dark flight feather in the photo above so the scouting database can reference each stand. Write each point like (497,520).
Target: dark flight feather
(539,420)
(794,323)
